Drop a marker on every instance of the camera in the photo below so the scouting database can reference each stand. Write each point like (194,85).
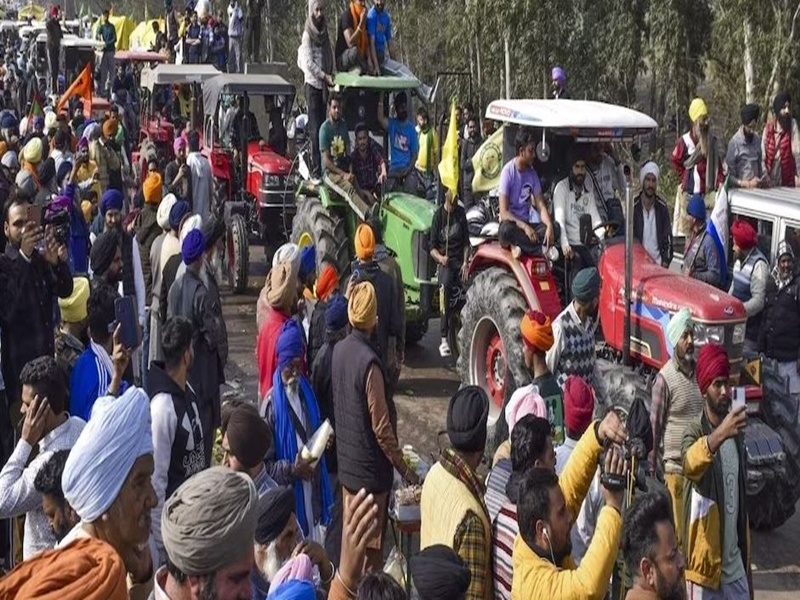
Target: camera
(635,454)
(59,225)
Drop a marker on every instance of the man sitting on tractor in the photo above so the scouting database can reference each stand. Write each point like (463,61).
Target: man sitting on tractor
(368,165)
(524,224)
(403,145)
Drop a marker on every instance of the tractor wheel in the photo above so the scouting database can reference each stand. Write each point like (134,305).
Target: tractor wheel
(771,506)
(237,254)
(491,346)
(416,330)
(618,386)
(314,224)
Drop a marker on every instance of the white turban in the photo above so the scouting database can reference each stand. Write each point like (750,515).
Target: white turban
(193,222)
(288,252)
(649,168)
(162,214)
(678,324)
(117,433)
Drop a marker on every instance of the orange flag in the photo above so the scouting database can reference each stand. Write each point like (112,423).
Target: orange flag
(82,86)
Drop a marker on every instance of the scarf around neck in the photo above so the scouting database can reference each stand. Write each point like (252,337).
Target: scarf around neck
(319,37)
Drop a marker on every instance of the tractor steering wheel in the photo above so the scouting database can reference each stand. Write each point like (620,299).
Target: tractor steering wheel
(611,230)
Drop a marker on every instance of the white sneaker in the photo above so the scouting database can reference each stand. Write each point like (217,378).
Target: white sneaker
(444,349)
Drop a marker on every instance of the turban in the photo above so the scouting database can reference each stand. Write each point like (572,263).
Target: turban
(83,144)
(290,344)
(73,308)
(362,306)
(193,246)
(281,286)
(38,122)
(326,282)
(86,569)
(208,522)
(32,151)
(678,324)
(249,436)
(288,252)
(537,332)
(47,170)
(558,74)
(111,200)
(10,160)
(64,169)
(50,121)
(275,509)
(649,168)
(696,207)
(86,209)
(586,284)
(24,181)
(176,214)
(439,573)
(299,568)
(117,433)
(336,313)
(466,419)
(744,234)
(162,214)
(103,251)
(780,101)
(750,113)
(578,404)
(179,144)
(308,262)
(23,126)
(91,131)
(697,109)
(365,242)
(524,401)
(8,121)
(213,229)
(110,128)
(294,589)
(712,363)
(151,189)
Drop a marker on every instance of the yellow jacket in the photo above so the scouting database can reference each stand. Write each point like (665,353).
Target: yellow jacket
(538,578)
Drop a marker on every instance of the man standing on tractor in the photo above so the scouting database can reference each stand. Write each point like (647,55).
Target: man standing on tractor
(676,402)
(780,144)
(235,30)
(403,145)
(750,274)
(54,35)
(202,178)
(702,260)
(714,461)
(744,157)
(651,226)
(107,33)
(524,219)
(572,352)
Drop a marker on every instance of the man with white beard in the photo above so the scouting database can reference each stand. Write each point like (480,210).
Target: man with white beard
(278,538)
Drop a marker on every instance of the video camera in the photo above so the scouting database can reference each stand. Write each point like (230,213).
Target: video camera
(635,451)
(58,221)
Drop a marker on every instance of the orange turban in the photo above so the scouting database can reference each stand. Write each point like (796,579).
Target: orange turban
(326,282)
(87,569)
(151,189)
(537,332)
(365,242)
(110,128)
(744,234)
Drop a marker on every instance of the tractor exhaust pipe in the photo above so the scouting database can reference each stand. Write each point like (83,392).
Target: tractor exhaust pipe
(626,339)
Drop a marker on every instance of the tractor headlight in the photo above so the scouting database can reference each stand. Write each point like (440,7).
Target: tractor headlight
(738,334)
(705,334)
(272,180)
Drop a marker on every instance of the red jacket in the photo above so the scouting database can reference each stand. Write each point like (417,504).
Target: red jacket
(693,181)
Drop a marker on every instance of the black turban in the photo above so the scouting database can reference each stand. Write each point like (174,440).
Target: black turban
(466,419)
(213,229)
(275,509)
(249,437)
(439,573)
(750,113)
(47,170)
(103,251)
(780,101)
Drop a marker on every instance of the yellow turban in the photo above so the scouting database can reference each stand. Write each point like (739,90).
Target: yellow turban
(362,306)
(86,209)
(281,286)
(365,242)
(151,189)
(32,152)
(73,308)
(110,126)
(3,148)
(697,109)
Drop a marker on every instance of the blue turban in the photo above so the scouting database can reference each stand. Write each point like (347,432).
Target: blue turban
(308,262)
(179,210)
(38,122)
(586,284)
(112,200)
(294,589)
(194,244)
(336,312)
(8,121)
(290,343)
(696,207)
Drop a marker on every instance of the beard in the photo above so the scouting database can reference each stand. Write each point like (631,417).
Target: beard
(703,141)
(721,406)
(785,122)
(271,563)
(669,590)
(650,191)
(319,23)
(209,589)
(292,385)
(578,180)
(748,136)
(563,552)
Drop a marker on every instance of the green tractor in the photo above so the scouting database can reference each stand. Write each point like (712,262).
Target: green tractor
(325,219)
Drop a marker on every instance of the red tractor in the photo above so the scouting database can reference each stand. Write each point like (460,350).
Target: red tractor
(502,288)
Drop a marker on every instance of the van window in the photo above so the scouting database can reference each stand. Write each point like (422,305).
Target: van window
(793,238)
(765,230)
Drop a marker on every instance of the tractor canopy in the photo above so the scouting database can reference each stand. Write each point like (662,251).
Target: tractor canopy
(167,74)
(145,56)
(241,84)
(370,82)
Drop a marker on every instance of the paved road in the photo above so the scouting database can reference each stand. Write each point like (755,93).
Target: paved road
(425,387)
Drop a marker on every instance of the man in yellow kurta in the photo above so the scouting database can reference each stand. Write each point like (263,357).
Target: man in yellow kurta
(543,565)
(428,156)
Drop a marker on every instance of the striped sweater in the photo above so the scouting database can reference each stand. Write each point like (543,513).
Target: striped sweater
(504,531)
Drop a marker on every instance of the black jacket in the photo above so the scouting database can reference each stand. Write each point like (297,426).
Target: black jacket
(147,230)
(390,320)
(322,383)
(779,336)
(663,227)
(316,331)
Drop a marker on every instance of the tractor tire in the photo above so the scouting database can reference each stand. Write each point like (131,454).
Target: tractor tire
(771,507)
(237,254)
(313,222)
(491,345)
(415,330)
(617,387)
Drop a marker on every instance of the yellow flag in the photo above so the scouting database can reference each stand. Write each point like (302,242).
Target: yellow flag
(448,166)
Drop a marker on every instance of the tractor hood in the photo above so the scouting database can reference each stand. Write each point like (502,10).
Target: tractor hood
(415,213)
(667,290)
(264,159)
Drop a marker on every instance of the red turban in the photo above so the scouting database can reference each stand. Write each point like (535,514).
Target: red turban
(744,234)
(712,363)
(537,332)
(578,404)
(326,282)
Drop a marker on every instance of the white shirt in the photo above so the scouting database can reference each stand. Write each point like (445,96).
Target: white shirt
(609,178)
(568,209)
(650,233)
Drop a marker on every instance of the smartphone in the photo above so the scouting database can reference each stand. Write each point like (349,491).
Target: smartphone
(35,214)
(738,398)
(125,313)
